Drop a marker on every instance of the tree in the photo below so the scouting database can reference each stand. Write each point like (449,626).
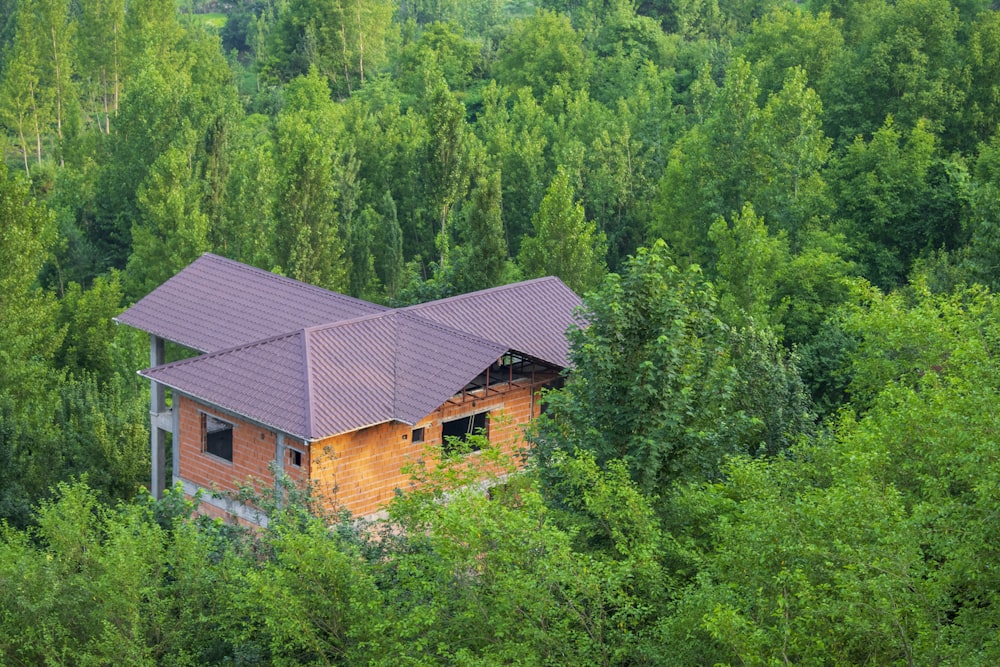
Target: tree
(481,257)
(29,338)
(173,230)
(748,268)
(982,55)
(246,230)
(565,244)
(178,94)
(339,39)
(445,45)
(902,61)
(515,142)
(740,152)
(388,237)
(788,37)
(361,234)
(540,52)
(899,199)
(310,238)
(24,103)
(449,156)
(655,345)
(56,41)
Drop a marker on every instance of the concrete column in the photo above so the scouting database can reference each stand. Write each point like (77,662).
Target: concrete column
(279,467)
(157,436)
(175,440)
(279,454)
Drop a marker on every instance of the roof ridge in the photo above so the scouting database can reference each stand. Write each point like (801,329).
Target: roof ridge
(403,312)
(440,326)
(482,292)
(264,273)
(307,371)
(354,320)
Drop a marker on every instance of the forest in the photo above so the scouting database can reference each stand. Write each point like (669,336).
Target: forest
(779,441)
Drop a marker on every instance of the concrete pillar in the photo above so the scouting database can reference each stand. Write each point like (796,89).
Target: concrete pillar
(279,468)
(175,440)
(157,436)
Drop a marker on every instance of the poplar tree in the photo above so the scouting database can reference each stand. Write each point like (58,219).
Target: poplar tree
(100,51)
(29,338)
(310,237)
(23,102)
(482,254)
(565,243)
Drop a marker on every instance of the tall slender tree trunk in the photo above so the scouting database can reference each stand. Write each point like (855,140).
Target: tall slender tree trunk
(38,129)
(116,91)
(59,90)
(104,94)
(343,46)
(361,46)
(24,141)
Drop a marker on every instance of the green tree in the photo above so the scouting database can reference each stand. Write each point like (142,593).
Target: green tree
(100,49)
(183,97)
(740,152)
(513,135)
(56,42)
(902,61)
(391,148)
(449,153)
(506,578)
(24,101)
(748,268)
(310,235)
(655,345)
(981,112)
(173,230)
(565,244)
(389,265)
(29,339)
(540,52)
(788,37)
(445,45)
(361,246)
(983,222)
(899,199)
(481,257)
(246,230)
(340,39)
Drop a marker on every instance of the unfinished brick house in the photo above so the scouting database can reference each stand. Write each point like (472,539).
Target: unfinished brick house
(333,390)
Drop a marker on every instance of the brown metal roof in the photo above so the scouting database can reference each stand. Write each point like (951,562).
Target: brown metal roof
(323,381)
(216,303)
(346,363)
(531,316)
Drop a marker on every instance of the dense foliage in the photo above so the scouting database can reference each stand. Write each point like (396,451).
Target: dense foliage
(779,444)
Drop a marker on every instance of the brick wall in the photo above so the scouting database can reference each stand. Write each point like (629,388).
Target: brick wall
(253,451)
(361,470)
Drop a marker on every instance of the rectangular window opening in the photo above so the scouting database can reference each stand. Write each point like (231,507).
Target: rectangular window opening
(418,435)
(218,436)
(455,433)
(295,458)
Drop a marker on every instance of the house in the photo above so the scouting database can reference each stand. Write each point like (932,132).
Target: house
(334,390)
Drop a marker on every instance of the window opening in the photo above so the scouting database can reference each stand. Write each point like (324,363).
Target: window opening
(295,457)
(418,435)
(455,433)
(218,436)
